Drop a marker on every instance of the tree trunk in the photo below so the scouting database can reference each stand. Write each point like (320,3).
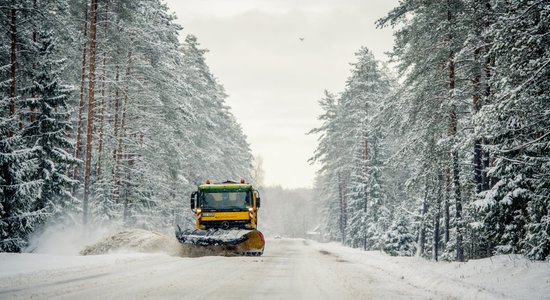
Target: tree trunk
(486,181)
(447,215)
(127,195)
(90,127)
(13,59)
(452,132)
(437,217)
(486,156)
(115,138)
(365,196)
(341,195)
(122,126)
(78,150)
(34,39)
(478,165)
(456,183)
(102,103)
(422,231)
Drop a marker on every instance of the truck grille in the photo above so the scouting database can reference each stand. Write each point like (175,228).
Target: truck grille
(226,224)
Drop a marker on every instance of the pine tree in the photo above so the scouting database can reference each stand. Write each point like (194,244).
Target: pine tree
(90,120)
(365,91)
(18,167)
(51,147)
(327,181)
(398,240)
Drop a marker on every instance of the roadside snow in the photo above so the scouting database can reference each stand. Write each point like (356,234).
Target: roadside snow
(62,239)
(498,277)
(135,240)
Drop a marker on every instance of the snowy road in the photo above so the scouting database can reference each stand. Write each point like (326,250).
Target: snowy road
(289,269)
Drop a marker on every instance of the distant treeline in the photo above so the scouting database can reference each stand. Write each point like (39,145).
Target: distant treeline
(288,212)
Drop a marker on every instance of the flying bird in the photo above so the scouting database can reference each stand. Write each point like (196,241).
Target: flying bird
(301,39)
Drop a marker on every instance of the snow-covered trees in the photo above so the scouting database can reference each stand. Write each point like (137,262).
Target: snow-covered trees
(398,239)
(48,128)
(430,102)
(365,90)
(516,125)
(35,120)
(463,141)
(146,121)
(350,150)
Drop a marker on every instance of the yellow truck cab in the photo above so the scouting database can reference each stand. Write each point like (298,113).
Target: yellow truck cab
(227,205)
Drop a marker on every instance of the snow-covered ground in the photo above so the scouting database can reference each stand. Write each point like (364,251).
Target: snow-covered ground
(498,277)
(289,269)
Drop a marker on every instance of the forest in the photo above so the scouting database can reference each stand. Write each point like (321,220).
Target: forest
(109,116)
(449,157)
(106,117)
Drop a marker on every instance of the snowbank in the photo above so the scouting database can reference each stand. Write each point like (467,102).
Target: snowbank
(62,239)
(498,277)
(135,240)
(143,241)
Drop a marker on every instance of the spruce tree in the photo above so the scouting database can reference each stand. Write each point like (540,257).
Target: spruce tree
(515,210)
(51,146)
(399,240)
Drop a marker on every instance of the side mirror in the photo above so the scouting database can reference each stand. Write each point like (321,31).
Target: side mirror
(193,200)
(258,202)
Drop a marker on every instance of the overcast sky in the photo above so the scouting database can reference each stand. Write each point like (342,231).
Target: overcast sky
(273,79)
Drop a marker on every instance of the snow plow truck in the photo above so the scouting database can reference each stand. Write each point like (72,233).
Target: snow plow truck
(226,219)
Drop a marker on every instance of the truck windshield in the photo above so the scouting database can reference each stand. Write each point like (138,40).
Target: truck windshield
(225,201)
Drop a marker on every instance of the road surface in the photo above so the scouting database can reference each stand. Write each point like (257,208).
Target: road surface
(289,269)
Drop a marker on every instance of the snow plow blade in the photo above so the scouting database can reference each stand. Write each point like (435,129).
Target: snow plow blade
(224,242)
